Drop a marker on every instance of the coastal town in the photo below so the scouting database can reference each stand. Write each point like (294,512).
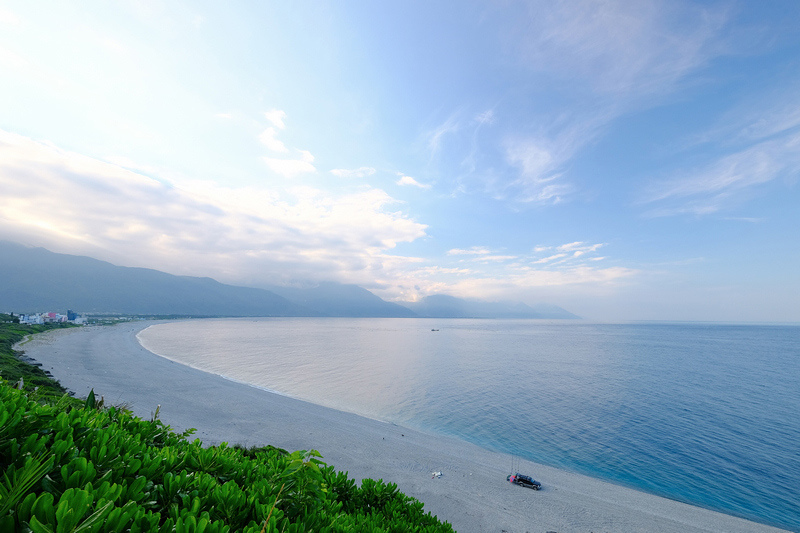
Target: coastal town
(78,319)
(50,318)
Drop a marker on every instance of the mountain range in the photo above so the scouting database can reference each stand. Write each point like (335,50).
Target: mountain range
(35,279)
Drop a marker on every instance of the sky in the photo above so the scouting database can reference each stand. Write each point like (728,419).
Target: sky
(623,160)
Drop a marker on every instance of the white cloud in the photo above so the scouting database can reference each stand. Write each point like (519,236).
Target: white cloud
(289,168)
(268,139)
(276,116)
(437,270)
(548,259)
(408,180)
(570,246)
(8,17)
(475,250)
(515,284)
(500,276)
(361,172)
(500,281)
(247,235)
(579,247)
(495,258)
(567,254)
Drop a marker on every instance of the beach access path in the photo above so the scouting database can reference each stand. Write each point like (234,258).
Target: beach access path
(472,492)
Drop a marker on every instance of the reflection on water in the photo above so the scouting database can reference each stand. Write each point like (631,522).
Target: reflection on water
(684,411)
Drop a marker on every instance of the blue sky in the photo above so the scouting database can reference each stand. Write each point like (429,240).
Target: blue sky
(624,160)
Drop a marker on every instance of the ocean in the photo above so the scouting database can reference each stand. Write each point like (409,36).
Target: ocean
(704,414)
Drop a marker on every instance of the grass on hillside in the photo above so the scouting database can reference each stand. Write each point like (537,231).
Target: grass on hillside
(13,367)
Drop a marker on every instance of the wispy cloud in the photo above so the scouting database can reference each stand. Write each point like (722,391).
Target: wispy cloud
(503,280)
(623,48)
(548,259)
(475,250)
(763,115)
(725,181)
(579,248)
(487,117)
(780,119)
(755,142)
(610,57)
(495,258)
(408,180)
(524,282)
(448,127)
(571,253)
(596,60)
(507,276)
(570,246)
(540,170)
(437,270)
(361,172)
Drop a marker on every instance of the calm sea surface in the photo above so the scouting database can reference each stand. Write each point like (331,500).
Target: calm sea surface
(705,414)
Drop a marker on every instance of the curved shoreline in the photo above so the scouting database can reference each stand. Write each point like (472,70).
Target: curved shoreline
(245,383)
(472,493)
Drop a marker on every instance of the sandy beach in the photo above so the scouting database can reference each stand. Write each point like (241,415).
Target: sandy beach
(472,493)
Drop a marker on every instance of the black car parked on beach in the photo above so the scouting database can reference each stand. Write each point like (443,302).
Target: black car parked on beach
(524,481)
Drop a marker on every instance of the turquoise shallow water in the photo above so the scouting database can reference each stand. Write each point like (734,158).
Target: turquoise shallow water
(705,414)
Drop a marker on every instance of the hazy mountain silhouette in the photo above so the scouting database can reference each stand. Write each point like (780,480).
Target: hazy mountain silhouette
(336,299)
(443,306)
(35,279)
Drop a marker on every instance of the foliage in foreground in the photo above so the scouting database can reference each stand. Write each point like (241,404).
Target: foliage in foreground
(88,469)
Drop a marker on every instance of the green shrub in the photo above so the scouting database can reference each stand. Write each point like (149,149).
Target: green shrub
(83,468)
